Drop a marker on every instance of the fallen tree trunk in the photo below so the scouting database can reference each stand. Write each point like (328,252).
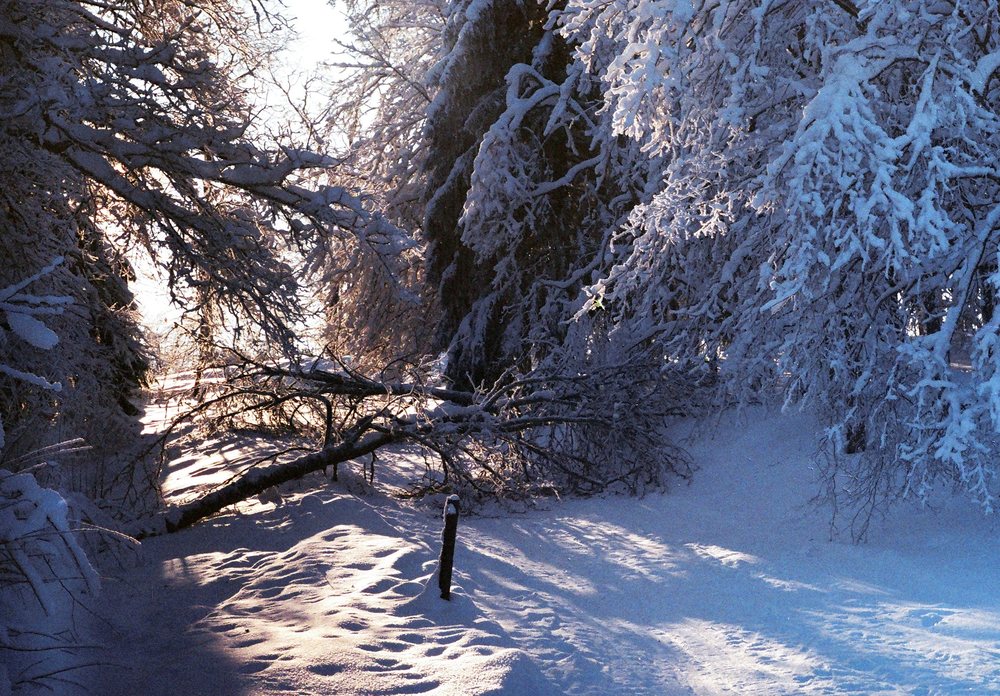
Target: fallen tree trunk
(257,481)
(578,433)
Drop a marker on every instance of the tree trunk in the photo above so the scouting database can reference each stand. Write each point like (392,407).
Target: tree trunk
(258,480)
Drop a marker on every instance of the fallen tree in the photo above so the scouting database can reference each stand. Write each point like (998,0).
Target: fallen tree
(542,433)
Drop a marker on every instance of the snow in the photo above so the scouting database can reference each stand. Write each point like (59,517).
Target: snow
(729,585)
(31,330)
(986,66)
(30,378)
(44,576)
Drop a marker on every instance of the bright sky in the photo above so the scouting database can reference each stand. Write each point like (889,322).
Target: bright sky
(318,23)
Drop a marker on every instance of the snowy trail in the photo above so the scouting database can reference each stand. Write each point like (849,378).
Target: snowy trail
(718,619)
(728,586)
(319,596)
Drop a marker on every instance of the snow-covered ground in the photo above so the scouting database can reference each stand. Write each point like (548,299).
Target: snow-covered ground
(729,585)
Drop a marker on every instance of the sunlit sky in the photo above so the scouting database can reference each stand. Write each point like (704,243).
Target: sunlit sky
(318,23)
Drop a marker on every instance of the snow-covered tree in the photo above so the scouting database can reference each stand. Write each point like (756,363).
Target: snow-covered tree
(525,182)
(826,227)
(132,125)
(381,91)
(481,41)
(380,95)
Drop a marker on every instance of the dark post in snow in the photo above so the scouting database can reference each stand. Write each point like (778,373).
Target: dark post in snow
(448,545)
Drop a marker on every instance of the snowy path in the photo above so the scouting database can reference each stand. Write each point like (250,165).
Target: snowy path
(726,586)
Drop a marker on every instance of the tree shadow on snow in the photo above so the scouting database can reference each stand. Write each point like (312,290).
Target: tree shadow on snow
(607,609)
(322,568)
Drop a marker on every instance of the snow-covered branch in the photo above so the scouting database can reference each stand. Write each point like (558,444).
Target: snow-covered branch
(544,432)
(824,231)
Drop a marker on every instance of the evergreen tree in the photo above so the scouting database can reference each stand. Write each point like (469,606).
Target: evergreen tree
(525,184)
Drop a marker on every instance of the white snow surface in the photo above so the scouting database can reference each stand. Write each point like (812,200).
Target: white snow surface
(727,586)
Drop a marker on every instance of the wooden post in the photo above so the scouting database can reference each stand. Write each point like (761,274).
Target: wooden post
(451,507)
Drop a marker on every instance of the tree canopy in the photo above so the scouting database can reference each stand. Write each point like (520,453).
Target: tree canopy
(732,202)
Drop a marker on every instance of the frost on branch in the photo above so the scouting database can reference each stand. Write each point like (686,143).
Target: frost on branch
(381,96)
(376,312)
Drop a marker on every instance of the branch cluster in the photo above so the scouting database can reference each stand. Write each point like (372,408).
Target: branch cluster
(543,433)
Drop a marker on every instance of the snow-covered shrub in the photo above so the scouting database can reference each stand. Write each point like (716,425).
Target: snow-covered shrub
(44,575)
(43,570)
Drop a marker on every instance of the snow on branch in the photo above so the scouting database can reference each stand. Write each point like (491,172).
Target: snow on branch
(156,119)
(824,228)
(18,309)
